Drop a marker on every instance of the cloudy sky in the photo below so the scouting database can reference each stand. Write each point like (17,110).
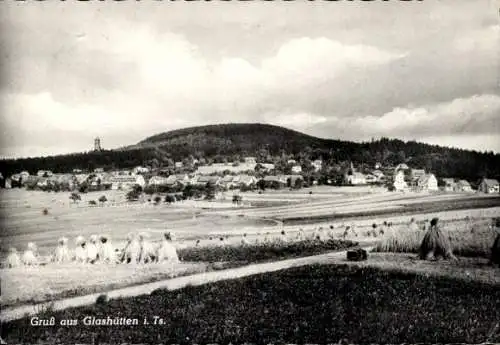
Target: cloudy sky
(123,71)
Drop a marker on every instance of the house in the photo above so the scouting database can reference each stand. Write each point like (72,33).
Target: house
(44,173)
(157,181)
(317,164)
(81,178)
(43,182)
(203,180)
(98,170)
(250,160)
(140,170)
(401,166)
(415,174)
(463,186)
(182,179)
(488,185)
(126,181)
(268,166)
(179,165)
(222,167)
(243,180)
(449,185)
(369,178)
(399,181)
(356,178)
(296,169)
(427,182)
(291,161)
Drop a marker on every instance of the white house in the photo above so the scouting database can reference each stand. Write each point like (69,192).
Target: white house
(140,170)
(126,181)
(488,185)
(296,169)
(399,181)
(291,161)
(356,178)
(268,166)
(157,181)
(463,186)
(250,160)
(428,182)
(244,180)
(178,165)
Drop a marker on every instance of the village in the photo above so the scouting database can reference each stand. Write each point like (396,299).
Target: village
(243,176)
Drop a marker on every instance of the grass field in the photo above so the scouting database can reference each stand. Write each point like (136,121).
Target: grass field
(314,304)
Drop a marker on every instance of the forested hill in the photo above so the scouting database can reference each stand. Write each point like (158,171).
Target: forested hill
(230,142)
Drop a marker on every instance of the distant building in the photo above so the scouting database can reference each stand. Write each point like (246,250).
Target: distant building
(179,165)
(449,185)
(415,174)
(268,166)
(140,170)
(428,182)
(126,181)
(97,144)
(291,161)
(401,166)
(157,181)
(489,186)
(399,181)
(296,169)
(463,186)
(250,160)
(356,178)
(98,170)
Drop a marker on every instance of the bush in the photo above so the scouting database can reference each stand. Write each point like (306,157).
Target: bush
(157,199)
(45,211)
(92,202)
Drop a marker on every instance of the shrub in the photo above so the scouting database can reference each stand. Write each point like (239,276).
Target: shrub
(101,300)
(45,211)
(92,202)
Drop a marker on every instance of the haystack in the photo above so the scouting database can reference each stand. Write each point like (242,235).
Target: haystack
(495,250)
(435,244)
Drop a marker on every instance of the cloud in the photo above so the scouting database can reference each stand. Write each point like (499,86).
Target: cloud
(346,74)
(470,117)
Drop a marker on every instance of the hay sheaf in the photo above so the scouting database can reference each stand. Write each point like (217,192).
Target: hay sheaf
(435,244)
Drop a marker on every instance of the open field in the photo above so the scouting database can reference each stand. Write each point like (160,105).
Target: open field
(312,304)
(192,221)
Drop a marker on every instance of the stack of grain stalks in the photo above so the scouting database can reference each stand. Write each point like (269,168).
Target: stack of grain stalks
(468,237)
